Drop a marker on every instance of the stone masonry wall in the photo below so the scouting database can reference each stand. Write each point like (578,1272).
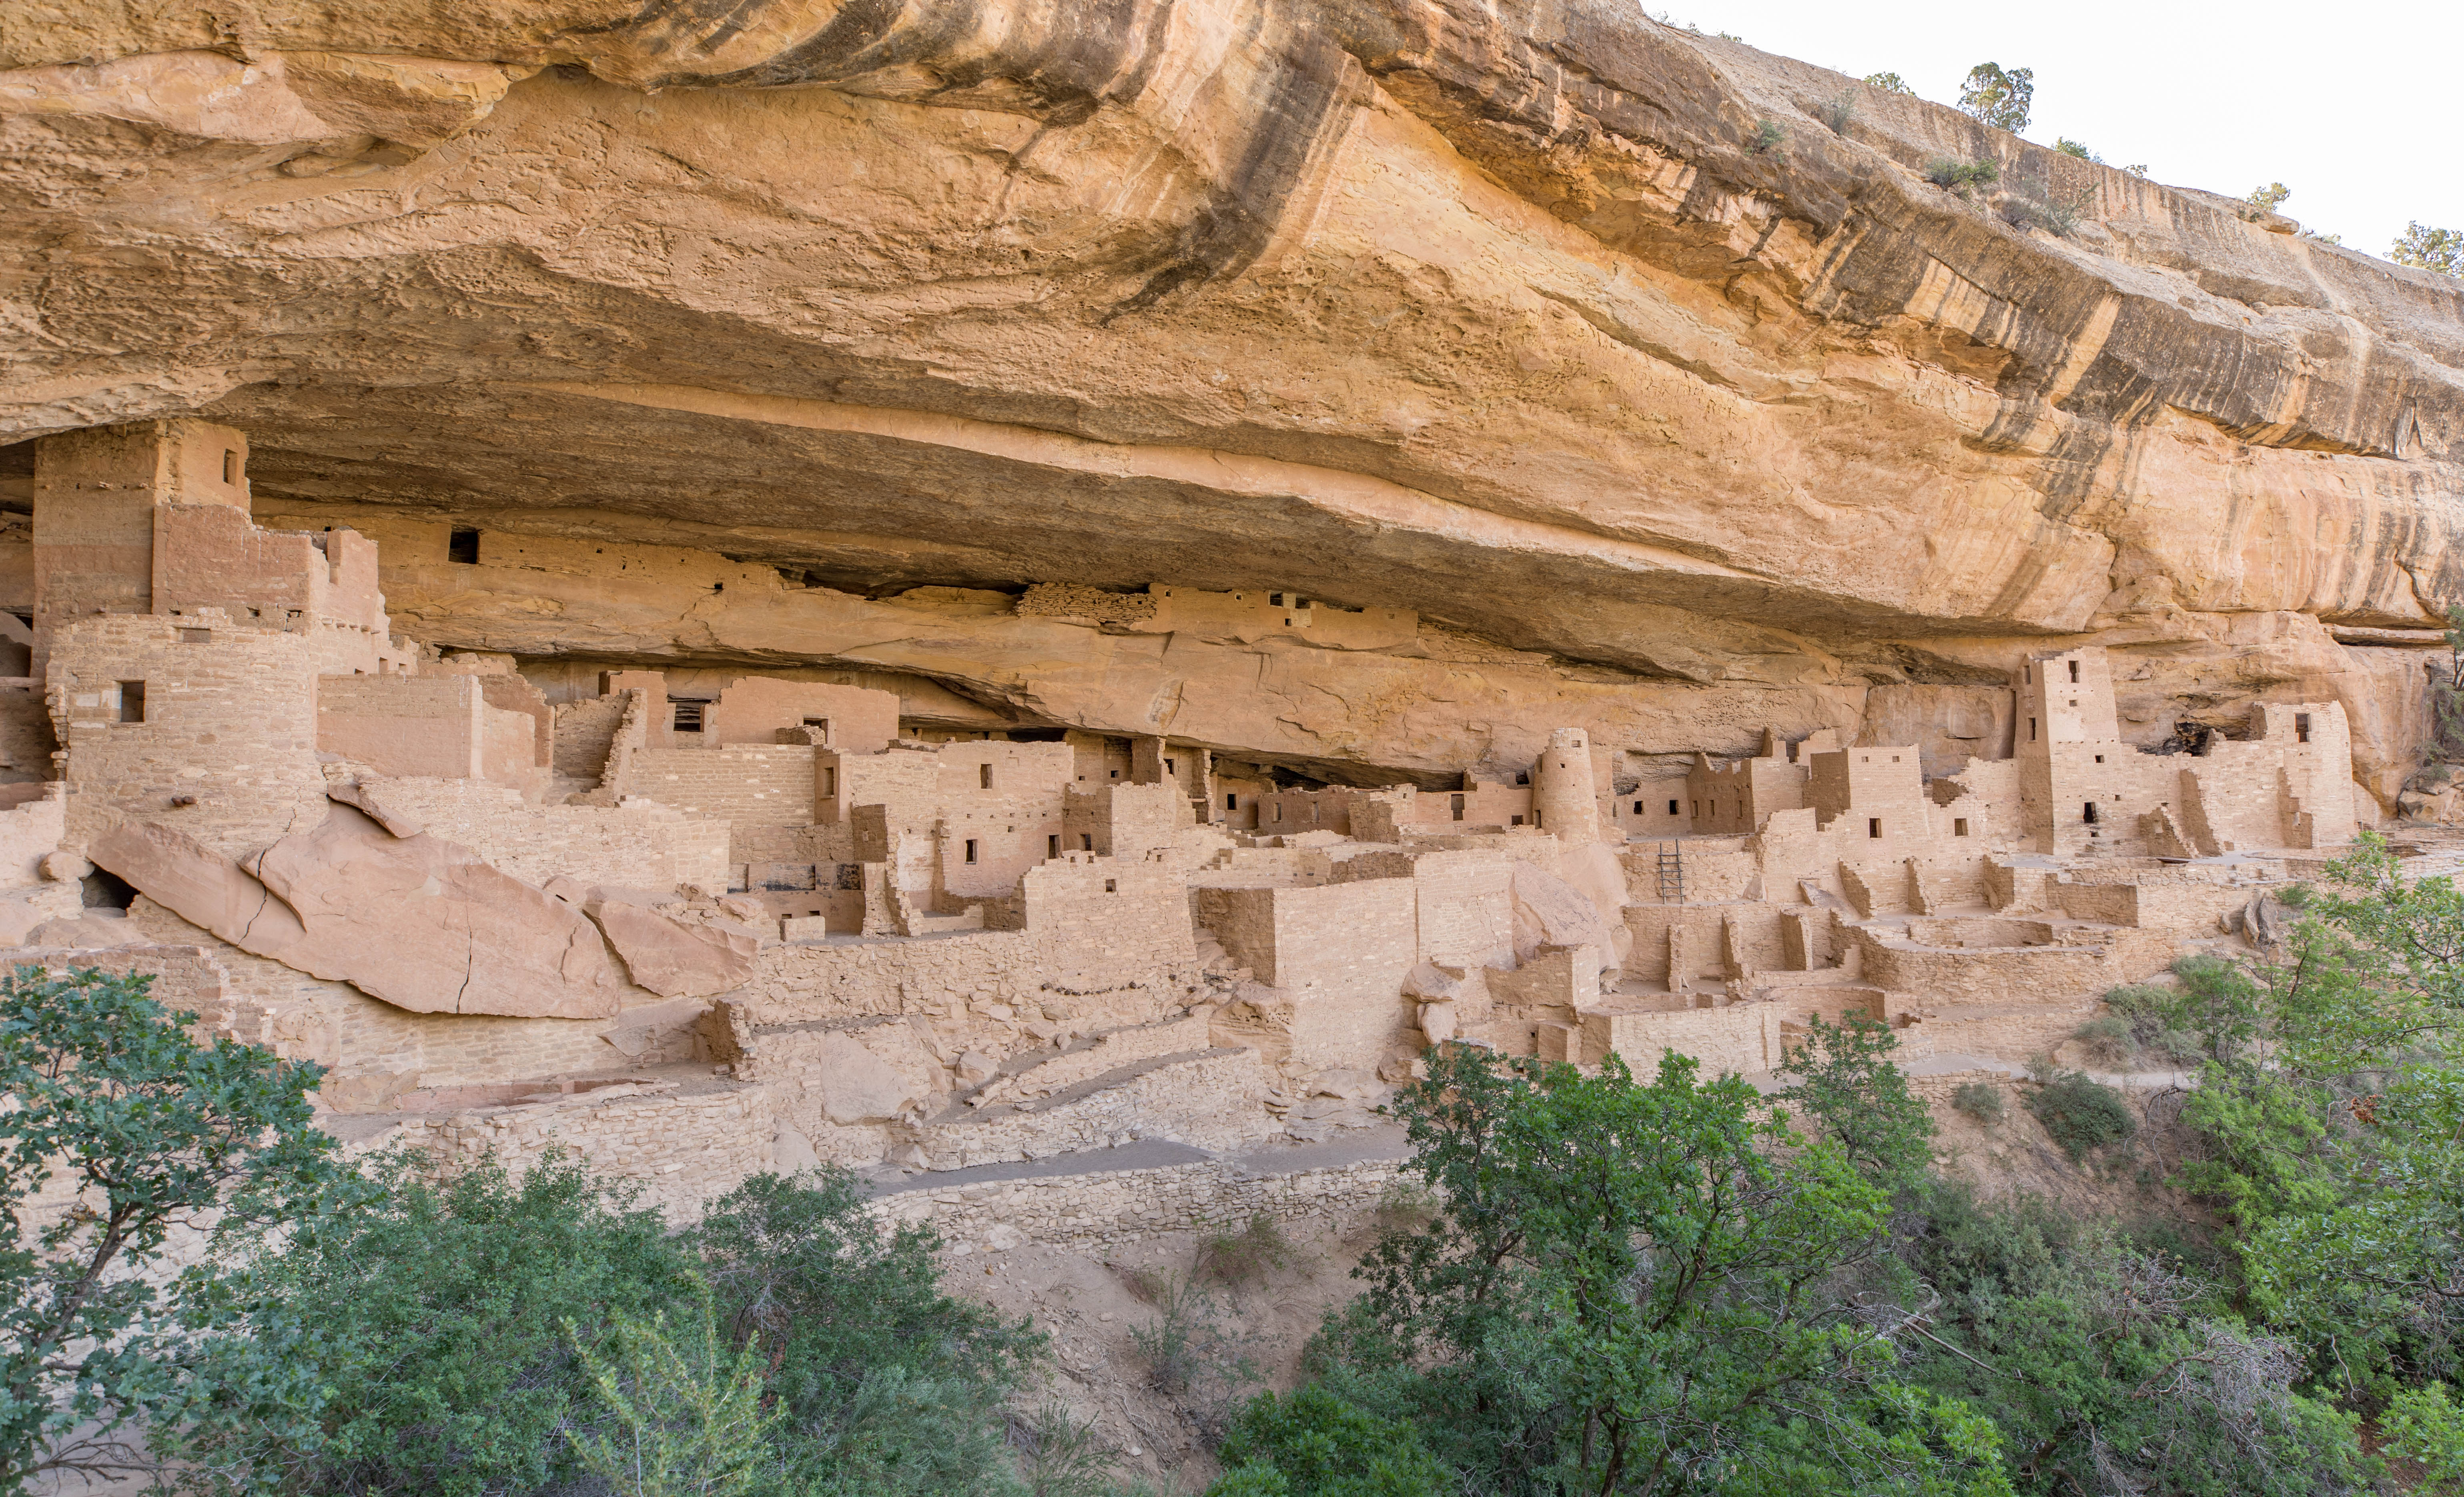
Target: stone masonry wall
(1085,1212)
(638,846)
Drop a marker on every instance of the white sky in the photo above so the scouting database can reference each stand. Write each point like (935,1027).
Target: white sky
(2351,104)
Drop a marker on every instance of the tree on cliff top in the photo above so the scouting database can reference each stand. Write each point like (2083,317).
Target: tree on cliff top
(2428,249)
(1992,95)
(148,1142)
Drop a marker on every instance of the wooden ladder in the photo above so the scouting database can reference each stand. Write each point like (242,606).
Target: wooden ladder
(1672,874)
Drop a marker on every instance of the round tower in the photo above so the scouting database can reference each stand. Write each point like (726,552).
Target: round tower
(1565,794)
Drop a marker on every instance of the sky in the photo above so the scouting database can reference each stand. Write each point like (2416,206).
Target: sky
(2351,105)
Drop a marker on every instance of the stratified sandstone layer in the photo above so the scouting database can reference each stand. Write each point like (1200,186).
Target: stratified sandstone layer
(1490,314)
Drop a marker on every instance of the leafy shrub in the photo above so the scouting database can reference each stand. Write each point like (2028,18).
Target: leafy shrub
(2082,1114)
(1185,1351)
(1246,1256)
(1961,176)
(2423,1425)
(1315,1444)
(1060,1455)
(2269,198)
(1981,1100)
(2052,214)
(1767,136)
(1835,113)
(2078,148)
(2109,1038)
(686,1415)
(1889,83)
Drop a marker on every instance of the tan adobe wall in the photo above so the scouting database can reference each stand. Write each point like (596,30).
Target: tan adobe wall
(997,976)
(95,495)
(1116,1208)
(906,781)
(2065,697)
(1464,907)
(28,831)
(1984,795)
(1876,795)
(756,709)
(1122,819)
(425,727)
(230,724)
(26,741)
(982,848)
(637,846)
(584,733)
(1738,1037)
(1730,799)
(762,791)
(685,1150)
(1106,923)
(1097,758)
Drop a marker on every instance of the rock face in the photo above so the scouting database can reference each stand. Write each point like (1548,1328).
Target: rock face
(1492,313)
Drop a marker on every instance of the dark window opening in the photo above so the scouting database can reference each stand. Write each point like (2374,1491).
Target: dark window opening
(1085,841)
(2100,758)
(983,776)
(820,725)
(2074,672)
(971,849)
(1112,886)
(1518,821)
(1171,767)
(830,780)
(1959,826)
(2032,730)
(231,465)
(2300,727)
(1672,807)
(1523,780)
(2088,815)
(1116,774)
(1231,801)
(1637,807)
(1874,826)
(462,546)
(1052,845)
(688,715)
(1455,804)
(132,701)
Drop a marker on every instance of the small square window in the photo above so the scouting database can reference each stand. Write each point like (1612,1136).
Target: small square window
(1959,826)
(2100,758)
(1112,886)
(462,547)
(1637,807)
(688,715)
(1874,828)
(971,849)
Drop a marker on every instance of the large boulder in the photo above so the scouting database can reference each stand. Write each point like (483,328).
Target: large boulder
(673,958)
(1550,911)
(420,922)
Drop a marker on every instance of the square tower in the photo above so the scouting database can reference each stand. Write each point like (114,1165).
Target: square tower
(2075,790)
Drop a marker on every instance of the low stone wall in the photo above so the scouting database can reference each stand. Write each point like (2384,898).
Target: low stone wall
(684,1150)
(1085,1212)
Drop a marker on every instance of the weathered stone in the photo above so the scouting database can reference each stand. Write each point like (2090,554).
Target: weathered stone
(1550,911)
(855,1085)
(65,867)
(673,958)
(1431,981)
(1438,1022)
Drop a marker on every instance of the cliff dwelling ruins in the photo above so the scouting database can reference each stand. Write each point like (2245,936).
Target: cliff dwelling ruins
(700,923)
(678,592)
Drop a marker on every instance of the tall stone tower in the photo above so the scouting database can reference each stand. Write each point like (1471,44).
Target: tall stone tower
(1565,793)
(2075,772)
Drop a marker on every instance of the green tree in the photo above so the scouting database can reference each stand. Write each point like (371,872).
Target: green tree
(2070,147)
(2002,99)
(1841,1080)
(2428,249)
(2269,198)
(685,1415)
(436,1319)
(1889,83)
(885,1383)
(2423,1425)
(1634,1288)
(151,1142)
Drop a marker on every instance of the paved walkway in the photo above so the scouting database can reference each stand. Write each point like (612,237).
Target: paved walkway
(1348,1146)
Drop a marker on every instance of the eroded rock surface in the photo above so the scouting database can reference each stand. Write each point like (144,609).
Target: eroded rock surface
(1490,312)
